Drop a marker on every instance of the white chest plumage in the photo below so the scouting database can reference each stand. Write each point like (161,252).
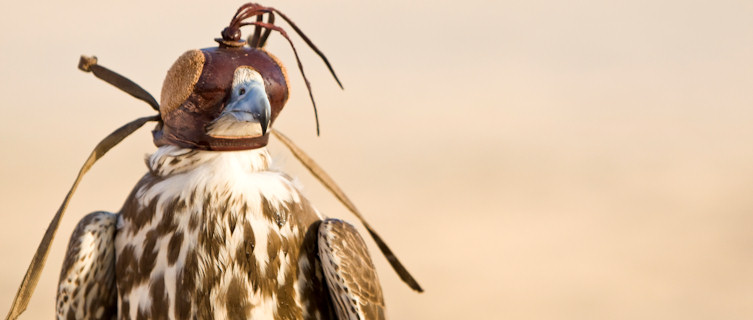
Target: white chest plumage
(213,234)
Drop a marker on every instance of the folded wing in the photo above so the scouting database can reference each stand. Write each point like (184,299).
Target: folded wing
(349,271)
(87,281)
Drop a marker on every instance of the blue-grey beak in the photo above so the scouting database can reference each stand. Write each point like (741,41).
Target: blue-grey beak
(250,104)
(246,114)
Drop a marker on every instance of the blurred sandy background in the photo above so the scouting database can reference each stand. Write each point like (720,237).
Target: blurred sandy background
(525,159)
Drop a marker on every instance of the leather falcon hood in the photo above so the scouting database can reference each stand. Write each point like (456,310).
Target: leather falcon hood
(197,88)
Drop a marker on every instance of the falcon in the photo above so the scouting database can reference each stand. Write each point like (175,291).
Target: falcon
(213,230)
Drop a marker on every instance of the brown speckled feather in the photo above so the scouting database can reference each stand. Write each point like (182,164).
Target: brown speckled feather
(351,276)
(87,280)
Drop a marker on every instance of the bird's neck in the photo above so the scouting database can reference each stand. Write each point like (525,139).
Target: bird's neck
(169,160)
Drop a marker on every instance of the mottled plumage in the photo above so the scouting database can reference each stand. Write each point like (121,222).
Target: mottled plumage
(350,274)
(218,235)
(87,279)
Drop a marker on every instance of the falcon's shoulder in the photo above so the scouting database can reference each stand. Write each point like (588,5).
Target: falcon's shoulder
(87,281)
(349,271)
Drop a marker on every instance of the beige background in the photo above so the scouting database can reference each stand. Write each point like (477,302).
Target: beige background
(525,159)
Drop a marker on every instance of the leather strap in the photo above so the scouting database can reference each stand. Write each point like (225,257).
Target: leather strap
(330,184)
(89,64)
(86,64)
(29,283)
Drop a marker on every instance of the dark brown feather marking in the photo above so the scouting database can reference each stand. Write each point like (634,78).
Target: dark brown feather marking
(186,286)
(148,255)
(167,224)
(245,252)
(173,248)
(125,305)
(193,222)
(126,268)
(316,288)
(132,212)
(237,304)
(273,265)
(160,305)
(142,314)
(274,213)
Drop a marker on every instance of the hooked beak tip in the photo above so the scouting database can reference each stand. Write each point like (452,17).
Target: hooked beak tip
(264,122)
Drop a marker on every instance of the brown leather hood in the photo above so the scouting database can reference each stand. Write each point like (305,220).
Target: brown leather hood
(196,90)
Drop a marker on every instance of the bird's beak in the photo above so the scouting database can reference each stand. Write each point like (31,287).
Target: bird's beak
(246,115)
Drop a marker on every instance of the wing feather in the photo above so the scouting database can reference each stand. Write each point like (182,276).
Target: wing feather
(349,271)
(87,281)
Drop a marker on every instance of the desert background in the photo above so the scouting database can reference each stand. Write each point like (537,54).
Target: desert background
(525,159)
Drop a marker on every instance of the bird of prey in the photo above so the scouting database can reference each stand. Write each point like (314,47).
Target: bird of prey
(213,230)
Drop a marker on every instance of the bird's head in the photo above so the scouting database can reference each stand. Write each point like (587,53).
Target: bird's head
(227,97)
(223,98)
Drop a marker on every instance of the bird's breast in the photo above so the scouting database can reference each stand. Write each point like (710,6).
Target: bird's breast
(213,239)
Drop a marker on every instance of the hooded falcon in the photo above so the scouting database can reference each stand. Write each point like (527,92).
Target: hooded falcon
(212,230)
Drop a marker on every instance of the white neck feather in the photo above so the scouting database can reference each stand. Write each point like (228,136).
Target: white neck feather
(245,173)
(169,160)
